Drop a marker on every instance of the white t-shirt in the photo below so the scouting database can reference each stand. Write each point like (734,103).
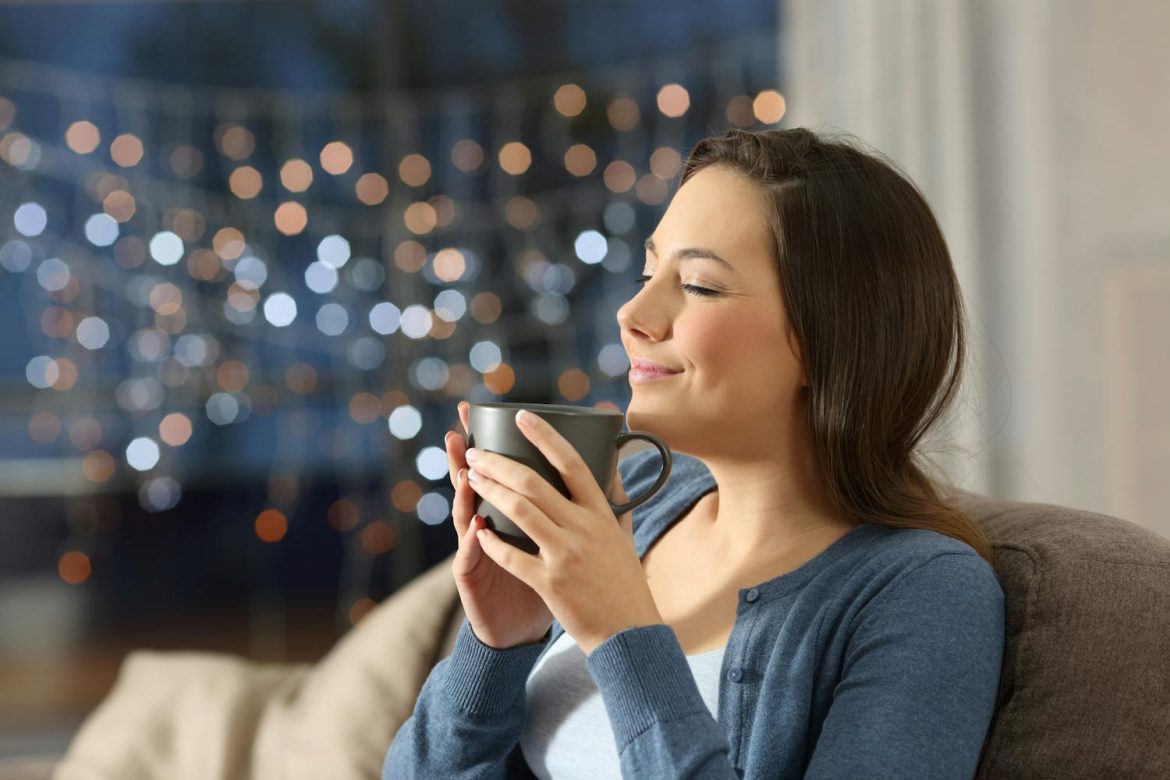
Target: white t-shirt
(566,731)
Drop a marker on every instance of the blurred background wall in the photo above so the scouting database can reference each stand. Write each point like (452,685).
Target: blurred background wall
(252,254)
(1036,131)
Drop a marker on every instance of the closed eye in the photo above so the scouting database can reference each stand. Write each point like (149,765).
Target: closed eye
(702,292)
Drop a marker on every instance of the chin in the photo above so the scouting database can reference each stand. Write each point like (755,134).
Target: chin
(650,421)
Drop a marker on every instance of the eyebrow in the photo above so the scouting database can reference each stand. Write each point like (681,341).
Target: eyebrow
(691,253)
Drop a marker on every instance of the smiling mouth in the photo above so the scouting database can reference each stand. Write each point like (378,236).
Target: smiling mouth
(639,375)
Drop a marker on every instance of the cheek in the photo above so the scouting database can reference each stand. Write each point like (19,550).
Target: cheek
(740,345)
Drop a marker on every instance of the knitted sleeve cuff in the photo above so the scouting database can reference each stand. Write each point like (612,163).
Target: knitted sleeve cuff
(644,678)
(485,681)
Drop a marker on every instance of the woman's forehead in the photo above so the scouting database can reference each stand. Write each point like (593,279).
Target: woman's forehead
(718,209)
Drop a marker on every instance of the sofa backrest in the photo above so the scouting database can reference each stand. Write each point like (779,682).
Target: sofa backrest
(1085,689)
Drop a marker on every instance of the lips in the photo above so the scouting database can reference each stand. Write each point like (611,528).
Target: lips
(650,366)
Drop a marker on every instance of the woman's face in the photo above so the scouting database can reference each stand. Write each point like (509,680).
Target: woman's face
(740,374)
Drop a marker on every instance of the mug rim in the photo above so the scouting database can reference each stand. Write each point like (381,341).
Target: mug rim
(566,409)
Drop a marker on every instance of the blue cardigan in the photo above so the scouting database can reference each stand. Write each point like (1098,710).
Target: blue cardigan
(880,657)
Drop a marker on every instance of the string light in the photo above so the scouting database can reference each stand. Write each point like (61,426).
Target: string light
(186,281)
(414,170)
(336,158)
(271,525)
(515,158)
(126,150)
(372,188)
(246,182)
(769,106)
(673,100)
(569,100)
(83,136)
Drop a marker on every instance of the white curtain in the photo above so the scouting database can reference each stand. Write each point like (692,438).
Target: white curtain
(1035,130)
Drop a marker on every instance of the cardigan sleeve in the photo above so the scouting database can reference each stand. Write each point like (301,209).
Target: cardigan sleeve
(660,723)
(469,714)
(919,678)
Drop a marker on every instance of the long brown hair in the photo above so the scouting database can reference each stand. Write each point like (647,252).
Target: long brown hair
(869,287)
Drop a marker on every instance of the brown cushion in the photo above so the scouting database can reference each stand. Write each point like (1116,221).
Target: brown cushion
(1085,690)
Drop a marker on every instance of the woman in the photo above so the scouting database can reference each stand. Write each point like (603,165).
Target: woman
(798,600)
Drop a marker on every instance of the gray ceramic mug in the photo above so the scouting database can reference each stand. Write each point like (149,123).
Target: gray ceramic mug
(594,432)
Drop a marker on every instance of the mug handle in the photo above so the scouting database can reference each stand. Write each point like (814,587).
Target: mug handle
(626,436)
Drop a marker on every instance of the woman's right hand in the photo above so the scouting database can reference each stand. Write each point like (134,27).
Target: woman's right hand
(502,610)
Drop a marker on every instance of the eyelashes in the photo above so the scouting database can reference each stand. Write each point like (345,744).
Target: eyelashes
(702,292)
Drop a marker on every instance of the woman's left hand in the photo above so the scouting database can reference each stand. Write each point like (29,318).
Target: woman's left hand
(587,570)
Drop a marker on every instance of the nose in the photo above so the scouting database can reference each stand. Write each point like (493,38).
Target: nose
(641,315)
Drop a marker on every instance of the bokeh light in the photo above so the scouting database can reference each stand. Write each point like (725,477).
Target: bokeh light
(467,155)
(236,142)
(333,250)
(769,106)
(372,188)
(673,100)
(280,309)
(83,137)
(336,158)
(246,182)
(623,113)
(30,219)
(166,248)
(101,230)
(515,158)
(569,100)
(271,525)
(74,567)
(580,160)
(414,170)
(93,333)
(126,150)
(296,175)
(142,453)
(175,429)
(291,218)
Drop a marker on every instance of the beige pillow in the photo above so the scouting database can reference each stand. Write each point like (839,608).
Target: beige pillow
(184,715)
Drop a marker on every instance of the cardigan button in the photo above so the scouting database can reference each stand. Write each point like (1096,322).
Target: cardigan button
(752,595)
(734,675)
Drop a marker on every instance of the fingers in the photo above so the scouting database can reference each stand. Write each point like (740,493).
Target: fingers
(463,510)
(469,550)
(464,505)
(456,445)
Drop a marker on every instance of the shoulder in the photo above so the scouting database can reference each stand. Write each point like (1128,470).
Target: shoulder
(918,574)
(921,554)
(640,470)
(688,477)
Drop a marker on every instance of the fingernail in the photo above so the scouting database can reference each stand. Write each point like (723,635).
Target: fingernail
(472,455)
(462,474)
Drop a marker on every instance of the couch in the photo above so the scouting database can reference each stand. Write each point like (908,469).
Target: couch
(1085,689)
